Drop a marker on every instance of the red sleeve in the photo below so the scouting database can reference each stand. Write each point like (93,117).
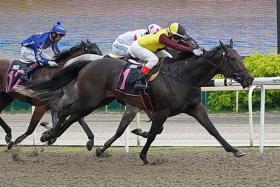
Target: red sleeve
(172,44)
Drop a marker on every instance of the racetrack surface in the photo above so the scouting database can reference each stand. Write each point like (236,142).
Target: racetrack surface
(180,130)
(170,167)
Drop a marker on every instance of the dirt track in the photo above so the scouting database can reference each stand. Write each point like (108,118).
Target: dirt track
(180,168)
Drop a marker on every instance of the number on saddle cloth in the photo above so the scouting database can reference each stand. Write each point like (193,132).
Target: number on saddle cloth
(128,77)
(16,69)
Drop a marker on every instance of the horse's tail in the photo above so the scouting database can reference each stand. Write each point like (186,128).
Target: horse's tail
(58,81)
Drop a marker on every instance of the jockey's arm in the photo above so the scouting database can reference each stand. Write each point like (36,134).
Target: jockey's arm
(38,56)
(175,45)
(56,49)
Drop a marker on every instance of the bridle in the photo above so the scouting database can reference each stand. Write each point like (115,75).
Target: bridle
(226,65)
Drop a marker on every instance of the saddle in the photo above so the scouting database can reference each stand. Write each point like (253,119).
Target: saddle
(16,69)
(129,76)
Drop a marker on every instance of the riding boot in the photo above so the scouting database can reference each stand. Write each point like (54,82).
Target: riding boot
(26,75)
(141,81)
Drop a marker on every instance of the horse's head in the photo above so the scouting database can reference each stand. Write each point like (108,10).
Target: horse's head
(80,49)
(92,48)
(231,65)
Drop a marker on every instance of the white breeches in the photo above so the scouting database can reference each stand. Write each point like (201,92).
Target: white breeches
(120,49)
(144,54)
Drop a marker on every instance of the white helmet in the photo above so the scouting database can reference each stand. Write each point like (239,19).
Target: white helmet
(153,28)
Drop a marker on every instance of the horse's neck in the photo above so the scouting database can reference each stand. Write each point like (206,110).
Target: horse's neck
(63,59)
(83,57)
(47,71)
(198,72)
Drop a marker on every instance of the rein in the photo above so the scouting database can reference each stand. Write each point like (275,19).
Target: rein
(185,83)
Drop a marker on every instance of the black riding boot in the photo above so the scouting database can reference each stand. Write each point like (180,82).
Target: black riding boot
(26,76)
(140,84)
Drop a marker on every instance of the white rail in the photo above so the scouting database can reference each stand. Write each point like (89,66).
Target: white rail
(261,83)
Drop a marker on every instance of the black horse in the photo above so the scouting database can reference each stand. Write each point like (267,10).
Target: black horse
(176,90)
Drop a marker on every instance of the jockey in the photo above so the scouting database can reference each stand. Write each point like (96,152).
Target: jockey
(121,45)
(146,47)
(32,48)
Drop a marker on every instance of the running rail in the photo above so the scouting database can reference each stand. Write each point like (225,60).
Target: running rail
(260,83)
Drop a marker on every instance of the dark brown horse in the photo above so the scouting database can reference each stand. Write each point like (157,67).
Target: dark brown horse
(42,73)
(176,90)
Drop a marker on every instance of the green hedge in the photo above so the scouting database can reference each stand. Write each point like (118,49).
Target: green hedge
(259,66)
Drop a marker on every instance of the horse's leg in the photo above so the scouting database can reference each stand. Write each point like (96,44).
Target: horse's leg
(76,112)
(89,133)
(54,123)
(5,100)
(159,118)
(128,116)
(35,119)
(143,134)
(59,131)
(200,114)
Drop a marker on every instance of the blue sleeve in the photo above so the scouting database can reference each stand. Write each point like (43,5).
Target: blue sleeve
(39,57)
(56,49)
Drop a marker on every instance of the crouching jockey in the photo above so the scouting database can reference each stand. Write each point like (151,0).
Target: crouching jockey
(146,47)
(32,49)
(121,45)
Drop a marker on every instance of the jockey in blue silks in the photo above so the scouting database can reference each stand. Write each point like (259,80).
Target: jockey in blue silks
(32,48)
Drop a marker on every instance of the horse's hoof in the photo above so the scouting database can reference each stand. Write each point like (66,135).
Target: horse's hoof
(144,159)
(10,145)
(45,125)
(98,152)
(8,138)
(44,138)
(51,141)
(239,154)
(136,131)
(146,162)
(90,145)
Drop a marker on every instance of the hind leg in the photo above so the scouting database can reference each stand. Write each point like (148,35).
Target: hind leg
(79,109)
(128,116)
(5,100)
(59,131)
(35,119)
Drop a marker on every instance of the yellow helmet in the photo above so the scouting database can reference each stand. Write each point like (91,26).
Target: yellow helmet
(177,29)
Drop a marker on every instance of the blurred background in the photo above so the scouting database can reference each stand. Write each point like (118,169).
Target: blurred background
(251,24)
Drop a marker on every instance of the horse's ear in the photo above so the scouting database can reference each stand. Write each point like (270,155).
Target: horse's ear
(88,41)
(82,42)
(231,43)
(223,46)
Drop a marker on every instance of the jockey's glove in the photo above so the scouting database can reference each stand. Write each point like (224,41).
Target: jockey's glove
(197,52)
(52,63)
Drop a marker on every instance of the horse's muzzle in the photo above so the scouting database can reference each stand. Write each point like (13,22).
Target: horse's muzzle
(247,82)
(244,78)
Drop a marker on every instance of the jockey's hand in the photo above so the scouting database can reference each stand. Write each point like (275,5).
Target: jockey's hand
(197,52)
(40,63)
(52,63)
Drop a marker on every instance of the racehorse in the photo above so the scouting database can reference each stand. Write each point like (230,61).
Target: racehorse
(176,90)
(40,107)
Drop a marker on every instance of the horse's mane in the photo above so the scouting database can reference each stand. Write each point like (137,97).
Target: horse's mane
(64,54)
(212,52)
(189,61)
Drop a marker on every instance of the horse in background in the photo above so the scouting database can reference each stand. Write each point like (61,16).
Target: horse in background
(40,107)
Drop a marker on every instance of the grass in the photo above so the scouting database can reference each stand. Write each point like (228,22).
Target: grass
(81,149)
